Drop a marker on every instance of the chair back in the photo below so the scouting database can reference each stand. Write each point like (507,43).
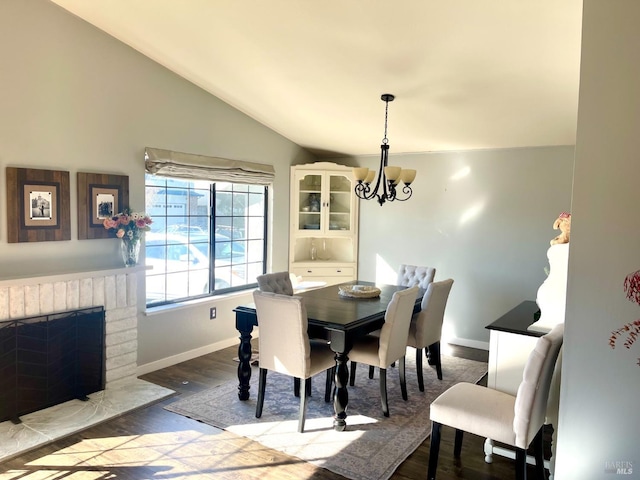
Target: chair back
(394,332)
(429,319)
(531,399)
(279,282)
(410,275)
(283,341)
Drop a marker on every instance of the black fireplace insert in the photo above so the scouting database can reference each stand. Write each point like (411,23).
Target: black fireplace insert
(50,359)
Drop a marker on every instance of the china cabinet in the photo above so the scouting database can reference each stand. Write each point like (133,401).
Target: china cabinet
(323,243)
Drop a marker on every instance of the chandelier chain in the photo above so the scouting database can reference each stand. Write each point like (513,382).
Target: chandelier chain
(385,140)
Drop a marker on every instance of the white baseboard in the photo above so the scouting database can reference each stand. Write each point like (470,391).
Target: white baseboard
(214,347)
(184,356)
(465,342)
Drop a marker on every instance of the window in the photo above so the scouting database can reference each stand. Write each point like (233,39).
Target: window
(206,238)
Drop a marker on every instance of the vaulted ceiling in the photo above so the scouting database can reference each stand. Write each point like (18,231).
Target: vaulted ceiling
(467,74)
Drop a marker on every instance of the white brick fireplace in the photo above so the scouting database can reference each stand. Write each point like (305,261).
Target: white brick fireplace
(116,290)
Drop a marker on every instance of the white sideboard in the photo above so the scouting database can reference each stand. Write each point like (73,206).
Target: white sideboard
(510,343)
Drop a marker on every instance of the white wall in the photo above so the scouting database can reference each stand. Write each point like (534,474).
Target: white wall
(483,218)
(599,416)
(73,98)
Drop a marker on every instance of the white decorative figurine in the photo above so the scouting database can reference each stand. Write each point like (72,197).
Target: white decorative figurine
(552,294)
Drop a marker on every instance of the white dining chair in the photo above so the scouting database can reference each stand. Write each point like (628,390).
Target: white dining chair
(285,347)
(425,330)
(278,282)
(410,275)
(281,283)
(389,346)
(513,420)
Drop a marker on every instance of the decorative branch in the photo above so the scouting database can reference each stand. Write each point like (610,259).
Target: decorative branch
(632,287)
(632,330)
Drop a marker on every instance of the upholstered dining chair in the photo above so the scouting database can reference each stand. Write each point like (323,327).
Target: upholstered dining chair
(389,346)
(426,327)
(513,420)
(285,347)
(410,275)
(279,282)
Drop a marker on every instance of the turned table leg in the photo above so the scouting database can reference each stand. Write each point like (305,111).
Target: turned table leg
(244,367)
(244,325)
(341,395)
(341,345)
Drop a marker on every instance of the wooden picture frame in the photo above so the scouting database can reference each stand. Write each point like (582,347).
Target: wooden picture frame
(100,195)
(38,205)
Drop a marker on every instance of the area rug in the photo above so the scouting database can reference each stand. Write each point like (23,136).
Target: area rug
(371,448)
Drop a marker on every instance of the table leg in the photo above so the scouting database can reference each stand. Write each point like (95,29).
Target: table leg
(244,366)
(341,396)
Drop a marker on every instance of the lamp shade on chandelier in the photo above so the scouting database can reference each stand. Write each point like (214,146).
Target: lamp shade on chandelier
(387,183)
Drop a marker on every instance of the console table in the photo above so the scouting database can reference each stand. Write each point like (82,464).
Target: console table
(510,343)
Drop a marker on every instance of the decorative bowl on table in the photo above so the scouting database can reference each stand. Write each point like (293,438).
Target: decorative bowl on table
(358,291)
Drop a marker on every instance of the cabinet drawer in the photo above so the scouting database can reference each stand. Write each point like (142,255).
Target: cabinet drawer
(324,271)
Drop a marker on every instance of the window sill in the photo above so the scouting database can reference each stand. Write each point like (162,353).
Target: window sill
(152,311)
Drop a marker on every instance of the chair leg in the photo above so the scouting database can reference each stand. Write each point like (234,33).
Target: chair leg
(419,369)
(296,386)
(262,381)
(434,350)
(352,374)
(521,464)
(538,452)
(327,388)
(429,354)
(403,379)
(371,370)
(383,392)
(303,410)
(434,450)
(457,445)
(307,386)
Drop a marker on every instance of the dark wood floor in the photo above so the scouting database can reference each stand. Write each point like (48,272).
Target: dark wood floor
(151,443)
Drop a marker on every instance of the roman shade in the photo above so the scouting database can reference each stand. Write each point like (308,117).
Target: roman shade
(168,163)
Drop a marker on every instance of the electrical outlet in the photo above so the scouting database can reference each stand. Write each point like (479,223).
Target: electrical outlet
(212,313)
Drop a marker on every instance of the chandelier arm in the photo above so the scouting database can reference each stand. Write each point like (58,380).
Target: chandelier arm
(363,191)
(407,191)
(392,192)
(382,177)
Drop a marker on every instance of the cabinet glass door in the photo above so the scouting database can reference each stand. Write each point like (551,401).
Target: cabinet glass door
(340,203)
(310,202)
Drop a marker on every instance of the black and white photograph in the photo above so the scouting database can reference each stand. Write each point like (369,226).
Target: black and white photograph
(104,205)
(40,202)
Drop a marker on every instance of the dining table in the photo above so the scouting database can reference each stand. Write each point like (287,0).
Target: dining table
(332,316)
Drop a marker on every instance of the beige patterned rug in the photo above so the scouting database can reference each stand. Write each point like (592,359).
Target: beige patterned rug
(371,448)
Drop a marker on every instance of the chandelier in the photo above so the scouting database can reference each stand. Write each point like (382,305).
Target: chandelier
(389,177)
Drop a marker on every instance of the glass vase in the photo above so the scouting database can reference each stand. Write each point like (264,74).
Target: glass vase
(130,249)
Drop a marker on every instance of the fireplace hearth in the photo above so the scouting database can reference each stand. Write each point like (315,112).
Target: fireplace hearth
(50,359)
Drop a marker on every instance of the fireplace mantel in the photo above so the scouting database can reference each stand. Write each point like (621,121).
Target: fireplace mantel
(70,275)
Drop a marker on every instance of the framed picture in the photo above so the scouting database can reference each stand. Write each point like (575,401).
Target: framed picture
(100,196)
(38,205)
